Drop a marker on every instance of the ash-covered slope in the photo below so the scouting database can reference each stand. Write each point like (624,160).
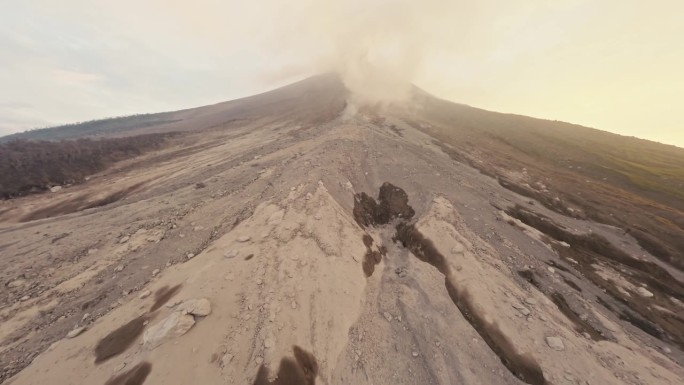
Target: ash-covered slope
(308,244)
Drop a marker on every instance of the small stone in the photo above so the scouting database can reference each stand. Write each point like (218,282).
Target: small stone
(124,239)
(243,238)
(586,335)
(25,298)
(522,309)
(191,255)
(119,268)
(294,304)
(667,350)
(225,360)
(55,189)
(85,317)
(76,332)
(644,293)
(199,307)
(231,254)
(16,283)
(530,301)
(555,343)
(269,343)
(388,316)
(414,354)
(318,217)
(259,360)
(174,325)
(155,272)
(551,269)
(144,294)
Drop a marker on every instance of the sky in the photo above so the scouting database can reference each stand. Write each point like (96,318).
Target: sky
(616,65)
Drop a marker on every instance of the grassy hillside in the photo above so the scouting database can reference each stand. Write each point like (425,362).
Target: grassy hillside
(91,128)
(635,184)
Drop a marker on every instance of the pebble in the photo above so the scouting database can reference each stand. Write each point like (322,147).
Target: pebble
(25,298)
(155,272)
(269,343)
(76,332)
(225,360)
(124,239)
(144,294)
(415,354)
(119,268)
(231,254)
(191,255)
(522,309)
(388,316)
(259,360)
(243,238)
(294,304)
(199,307)
(85,317)
(644,293)
(555,343)
(530,301)
(551,269)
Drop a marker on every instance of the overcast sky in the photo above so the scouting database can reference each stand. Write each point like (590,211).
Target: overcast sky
(616,65)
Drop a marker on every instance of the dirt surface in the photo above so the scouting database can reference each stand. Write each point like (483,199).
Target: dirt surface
(316,245)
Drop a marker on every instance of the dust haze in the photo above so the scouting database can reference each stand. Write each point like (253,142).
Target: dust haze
(377,48)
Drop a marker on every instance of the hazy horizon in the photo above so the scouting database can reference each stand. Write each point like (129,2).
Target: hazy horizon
(613,66)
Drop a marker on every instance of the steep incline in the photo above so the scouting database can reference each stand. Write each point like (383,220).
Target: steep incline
(360,249)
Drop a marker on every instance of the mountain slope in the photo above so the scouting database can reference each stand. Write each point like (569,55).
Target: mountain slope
(282,238)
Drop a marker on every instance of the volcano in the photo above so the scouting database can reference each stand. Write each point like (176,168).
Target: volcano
(296,237)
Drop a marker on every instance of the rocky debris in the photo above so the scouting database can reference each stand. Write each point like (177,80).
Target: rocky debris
(16,283)
(76,332)
(643,292)
(269,343)
(155,238)
(231,254)
(243,238)
(124,239)
(225,360)
(174,325)
(200,307)
(522,309)
(55,189)
(555,343)
(387,316)
(190,255)
(119,268)
(401,272)
(144,294)
(155,272)
(85,317)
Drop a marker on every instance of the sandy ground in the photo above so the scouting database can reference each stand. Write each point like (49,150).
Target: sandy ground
(258,220)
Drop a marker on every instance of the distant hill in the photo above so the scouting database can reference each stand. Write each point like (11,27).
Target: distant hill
(92,128)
